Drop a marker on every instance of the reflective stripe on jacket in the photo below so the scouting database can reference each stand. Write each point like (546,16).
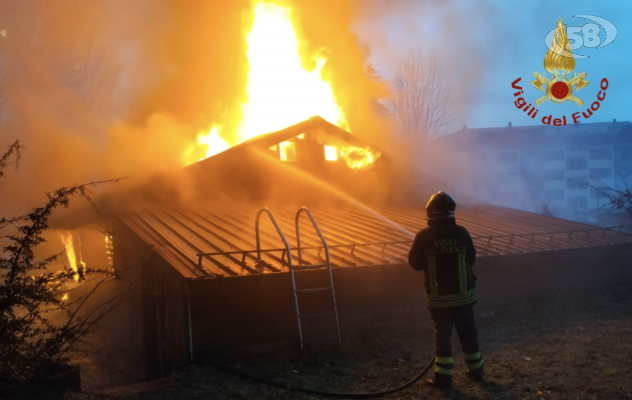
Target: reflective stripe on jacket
(446,254)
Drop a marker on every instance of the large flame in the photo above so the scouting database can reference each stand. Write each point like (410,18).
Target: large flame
(74,257)
(281,89)
(66,239)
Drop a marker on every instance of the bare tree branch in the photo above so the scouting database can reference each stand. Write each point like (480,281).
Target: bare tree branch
(420,101)
(618,200)
(13,148)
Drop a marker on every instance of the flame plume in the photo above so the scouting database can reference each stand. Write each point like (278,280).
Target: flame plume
(74,257)
(282,89)
(559,59)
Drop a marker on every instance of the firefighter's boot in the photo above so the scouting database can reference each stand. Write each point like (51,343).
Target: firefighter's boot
(444,370)
(477,375)
(475,365)
(440,382)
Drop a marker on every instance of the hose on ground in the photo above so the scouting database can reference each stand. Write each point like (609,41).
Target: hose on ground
(323,392)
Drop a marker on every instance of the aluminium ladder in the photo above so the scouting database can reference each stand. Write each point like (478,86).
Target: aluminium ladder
(301,267)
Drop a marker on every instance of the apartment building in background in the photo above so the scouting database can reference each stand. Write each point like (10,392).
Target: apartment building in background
(530,166)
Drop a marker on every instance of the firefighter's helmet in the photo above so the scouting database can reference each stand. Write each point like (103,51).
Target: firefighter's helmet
(440,205)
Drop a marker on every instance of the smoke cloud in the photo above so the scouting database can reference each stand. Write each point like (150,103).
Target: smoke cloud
(104,89)
(98,90)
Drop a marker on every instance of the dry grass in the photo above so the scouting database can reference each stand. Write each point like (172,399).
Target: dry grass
(575,346)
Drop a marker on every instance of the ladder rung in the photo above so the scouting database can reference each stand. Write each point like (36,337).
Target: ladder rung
(311,266)
(325,339)
(322,289)
(329,288)
(317,315)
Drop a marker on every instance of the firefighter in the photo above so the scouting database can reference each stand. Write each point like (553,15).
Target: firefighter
(446,254)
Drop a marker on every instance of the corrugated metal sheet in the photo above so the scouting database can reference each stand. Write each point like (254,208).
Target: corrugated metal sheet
(356,236)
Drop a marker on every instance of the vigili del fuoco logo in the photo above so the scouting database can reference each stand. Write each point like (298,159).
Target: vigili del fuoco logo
(559,62)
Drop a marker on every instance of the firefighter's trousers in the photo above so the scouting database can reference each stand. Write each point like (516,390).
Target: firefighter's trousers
(462,318)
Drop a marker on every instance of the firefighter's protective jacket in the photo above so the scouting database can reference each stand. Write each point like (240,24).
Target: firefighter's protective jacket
(446,254)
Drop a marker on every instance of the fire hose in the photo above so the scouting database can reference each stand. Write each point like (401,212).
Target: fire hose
(286,386)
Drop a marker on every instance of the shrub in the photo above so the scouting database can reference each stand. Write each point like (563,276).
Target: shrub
(33,340)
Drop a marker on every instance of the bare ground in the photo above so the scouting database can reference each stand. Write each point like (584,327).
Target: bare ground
(575,346)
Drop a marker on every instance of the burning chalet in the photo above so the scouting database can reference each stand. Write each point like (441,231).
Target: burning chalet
(226,274)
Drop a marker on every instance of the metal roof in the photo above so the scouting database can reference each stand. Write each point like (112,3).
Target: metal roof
(594,133)
(356,236)
(572,129)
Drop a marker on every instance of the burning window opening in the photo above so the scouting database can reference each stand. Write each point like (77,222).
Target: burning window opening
(301,136)
(287,151)
(360,158)
(323,143)
(67,240)
(109,248)
(331,153)
(72,246)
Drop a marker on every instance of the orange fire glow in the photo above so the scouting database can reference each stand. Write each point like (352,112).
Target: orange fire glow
(331,153)
(359,158)
(282,89)
(109,250)
(214,142)
(287,151)
(66,239)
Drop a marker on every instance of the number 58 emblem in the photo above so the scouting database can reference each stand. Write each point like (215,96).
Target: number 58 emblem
(586,35)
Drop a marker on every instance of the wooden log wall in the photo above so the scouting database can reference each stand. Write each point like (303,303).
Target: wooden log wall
(249,312)
(242,312)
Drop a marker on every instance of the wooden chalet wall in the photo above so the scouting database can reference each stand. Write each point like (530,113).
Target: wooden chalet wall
(239,312)
(236,312)
(157,311)
(245,312)
(522,277)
